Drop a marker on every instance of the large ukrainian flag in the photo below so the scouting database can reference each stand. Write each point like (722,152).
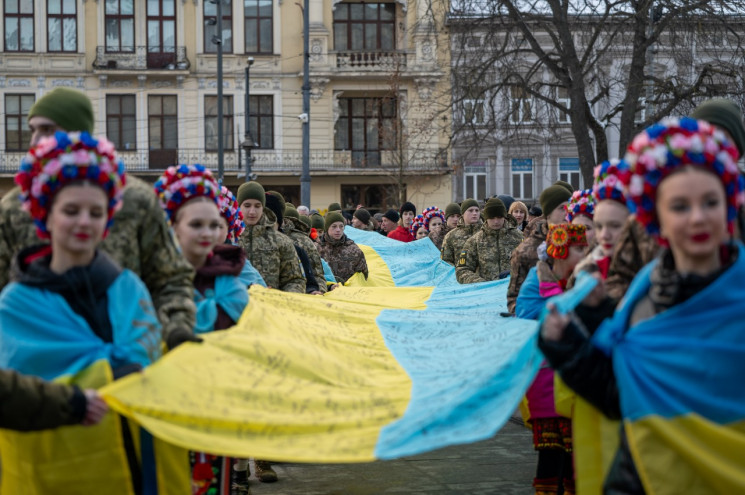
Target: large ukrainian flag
(404,362)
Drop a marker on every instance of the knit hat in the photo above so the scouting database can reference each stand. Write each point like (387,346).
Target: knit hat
(179,184)
(331,218)
(535,211)
(552,197)
(452,209)
(251,190)
(58,160)
(565,185)
(494,208)
(507,200)
(392,215)
(362,215)
(432,212)
(725,114)
(274,205)
(669,145)
(291,212)
(230,210)
(609,179)
(281,199)
(562,236)
(317,221)
(581,203)
(306,220)
(468,203)
(334,207)
(407,206)
(71,110)
(416,224)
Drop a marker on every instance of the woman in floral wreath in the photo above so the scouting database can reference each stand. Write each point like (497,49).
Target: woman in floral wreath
(669,362)
(418,228)
(552,433)
(434,222)
(232,224)
(97,321)
(581,210)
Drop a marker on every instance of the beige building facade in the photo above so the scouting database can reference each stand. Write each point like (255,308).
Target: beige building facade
(150,69)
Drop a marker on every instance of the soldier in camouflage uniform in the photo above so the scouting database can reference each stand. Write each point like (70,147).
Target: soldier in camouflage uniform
(138,240)
(341,253)
(468,225)
(487,253)
(525,256)
(270,252)
(299,233)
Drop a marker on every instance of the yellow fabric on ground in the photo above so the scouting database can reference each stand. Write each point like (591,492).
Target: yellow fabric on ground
(299,378)
(379,274)
(688,454)
(595,442)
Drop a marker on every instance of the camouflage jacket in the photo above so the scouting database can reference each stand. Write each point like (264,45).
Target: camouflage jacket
(273,254)
(438,237)
(635,249)
(487,253)
(139,239)
(524,257)
(297,231)
(343,256)
(454,241)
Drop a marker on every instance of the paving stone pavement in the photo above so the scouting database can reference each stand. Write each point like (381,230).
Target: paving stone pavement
(504,465)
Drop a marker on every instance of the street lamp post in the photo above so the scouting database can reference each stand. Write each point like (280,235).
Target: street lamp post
(217,40)
(248,141)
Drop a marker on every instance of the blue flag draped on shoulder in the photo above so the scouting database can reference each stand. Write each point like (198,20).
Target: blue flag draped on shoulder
(401,363)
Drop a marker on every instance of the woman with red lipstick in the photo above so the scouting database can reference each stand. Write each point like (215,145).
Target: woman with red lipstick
(73,314)
(667,363)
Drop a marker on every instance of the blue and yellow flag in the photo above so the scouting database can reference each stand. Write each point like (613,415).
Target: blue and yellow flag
(401,363)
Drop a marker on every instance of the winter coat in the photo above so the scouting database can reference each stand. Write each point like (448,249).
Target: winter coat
(438,237)
(401,234)
(273,255)
(343,256)
(138,240)
(453,243)
(225,261)
(524,257)
(635,249)
(28,403)
(298,232)
(487,253)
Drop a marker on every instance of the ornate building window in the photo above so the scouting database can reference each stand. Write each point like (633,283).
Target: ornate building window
(62,26)
(365,27)
(261,120)
(259,26)
(210,123)
(119,19)
(17,133)
(210,30)
(19,25)
(121,121)
(161,33)
(366,126)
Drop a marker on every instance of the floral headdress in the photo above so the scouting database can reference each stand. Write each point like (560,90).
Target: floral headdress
(609,180)
(59,160)
(232,213)
(562,236)
(418,222)
(430,213)
(669,145)
(581,203)
(179,184)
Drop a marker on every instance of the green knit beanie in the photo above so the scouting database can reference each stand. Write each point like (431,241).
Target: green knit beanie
(452,209)
(725,114)
(291,212)
(306,220)
(251,190)
(553,196)
(468,203)
(71,110)
(495,208)
(334,207)
(317,222)
(565,185)
(331,218)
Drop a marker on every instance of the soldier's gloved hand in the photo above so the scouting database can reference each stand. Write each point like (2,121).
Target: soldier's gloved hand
(179,336)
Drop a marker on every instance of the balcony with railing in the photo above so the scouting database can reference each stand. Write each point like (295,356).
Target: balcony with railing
(369,60)
(137,58)
(283,162)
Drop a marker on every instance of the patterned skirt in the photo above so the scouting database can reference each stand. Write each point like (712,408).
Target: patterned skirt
(552,433)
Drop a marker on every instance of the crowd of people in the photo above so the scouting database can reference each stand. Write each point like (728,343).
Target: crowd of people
(656,230)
